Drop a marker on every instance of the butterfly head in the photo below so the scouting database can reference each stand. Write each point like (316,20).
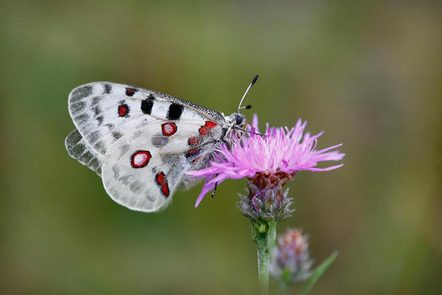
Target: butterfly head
(236,121)
(240,120)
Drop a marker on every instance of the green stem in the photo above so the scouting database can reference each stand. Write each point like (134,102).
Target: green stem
(264,234)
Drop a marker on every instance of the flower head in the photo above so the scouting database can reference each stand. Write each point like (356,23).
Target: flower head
(267,160)
(290,259)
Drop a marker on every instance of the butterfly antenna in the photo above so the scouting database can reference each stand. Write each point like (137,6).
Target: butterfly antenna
(247,90)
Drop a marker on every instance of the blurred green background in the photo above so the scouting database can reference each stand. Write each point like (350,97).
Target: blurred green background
(368,73)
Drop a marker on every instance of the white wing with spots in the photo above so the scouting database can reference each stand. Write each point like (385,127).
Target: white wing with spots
(103,111)
(146,166)
(141,141)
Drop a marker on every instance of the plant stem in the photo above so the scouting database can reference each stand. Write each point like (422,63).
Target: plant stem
(264,234)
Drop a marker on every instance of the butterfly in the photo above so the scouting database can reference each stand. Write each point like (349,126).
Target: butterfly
(141,141)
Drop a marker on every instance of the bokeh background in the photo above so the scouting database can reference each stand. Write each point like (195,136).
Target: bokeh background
(368,73)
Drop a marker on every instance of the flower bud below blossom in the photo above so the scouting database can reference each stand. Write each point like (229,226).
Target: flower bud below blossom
(290,260)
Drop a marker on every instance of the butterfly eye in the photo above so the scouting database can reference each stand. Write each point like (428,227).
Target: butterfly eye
(239,120)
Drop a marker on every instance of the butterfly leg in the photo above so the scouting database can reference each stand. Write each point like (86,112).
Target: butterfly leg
(214,188)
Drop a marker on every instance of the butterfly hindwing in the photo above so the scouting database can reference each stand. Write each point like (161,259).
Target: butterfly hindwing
(79,149)
(145,166)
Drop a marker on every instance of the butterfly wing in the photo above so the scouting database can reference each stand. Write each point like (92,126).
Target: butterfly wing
(80,150)
(141,141)
(103,111)
(145,166)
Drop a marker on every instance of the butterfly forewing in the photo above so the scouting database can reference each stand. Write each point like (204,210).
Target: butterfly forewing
(104,111)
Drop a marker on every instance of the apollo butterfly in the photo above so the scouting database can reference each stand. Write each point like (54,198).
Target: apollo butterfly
(141,141)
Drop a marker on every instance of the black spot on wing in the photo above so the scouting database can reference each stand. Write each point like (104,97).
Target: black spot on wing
(110,126)
(96,110)
(100,120)
(174,112)
(107,88)
(116,135)
(146,106)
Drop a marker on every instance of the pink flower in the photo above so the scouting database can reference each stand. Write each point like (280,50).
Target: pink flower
(266,159)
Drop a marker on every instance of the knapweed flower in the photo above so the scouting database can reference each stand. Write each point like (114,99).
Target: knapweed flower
(290,260)
(268,161)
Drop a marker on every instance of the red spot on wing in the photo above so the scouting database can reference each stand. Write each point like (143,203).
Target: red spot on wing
(210,124)
(140,159)
(160,178)
(204,130)
(123,110)
(130,91)
(165,190)
(193,141)
(192,151)
(169,129)
(196,160)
